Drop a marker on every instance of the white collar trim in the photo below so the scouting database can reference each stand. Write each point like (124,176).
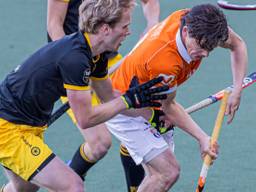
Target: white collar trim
(181,48)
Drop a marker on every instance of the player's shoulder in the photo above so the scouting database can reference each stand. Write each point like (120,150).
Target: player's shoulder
(180,12)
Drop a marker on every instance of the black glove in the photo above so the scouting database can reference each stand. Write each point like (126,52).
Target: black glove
(157,123)
(138,96)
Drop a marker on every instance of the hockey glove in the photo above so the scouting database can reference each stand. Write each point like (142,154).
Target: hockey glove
(138,96)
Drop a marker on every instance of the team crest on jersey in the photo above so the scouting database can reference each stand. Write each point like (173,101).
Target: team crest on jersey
(167,79)
(86,77)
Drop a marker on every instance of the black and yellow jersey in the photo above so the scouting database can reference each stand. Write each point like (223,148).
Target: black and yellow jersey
(28,93)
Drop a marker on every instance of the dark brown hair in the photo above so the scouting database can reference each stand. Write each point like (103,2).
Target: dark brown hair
(207,24)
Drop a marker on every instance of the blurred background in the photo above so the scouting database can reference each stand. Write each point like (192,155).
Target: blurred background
(23,30)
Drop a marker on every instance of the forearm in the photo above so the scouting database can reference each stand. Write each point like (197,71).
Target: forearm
(104,90)
(151,10)
(144,112)
(55,32)
(136,97)
(239,60)
(99,114)
(180,118)
(56,13)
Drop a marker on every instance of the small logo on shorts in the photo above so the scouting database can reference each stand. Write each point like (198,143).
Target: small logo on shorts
(35,151)
(155,132)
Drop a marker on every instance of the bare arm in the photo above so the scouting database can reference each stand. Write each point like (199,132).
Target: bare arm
(176,114)
(56,13)
(103,89)
(151,10)
(136,97)
(88,116)
(239,59)
(105,92)
(179,117)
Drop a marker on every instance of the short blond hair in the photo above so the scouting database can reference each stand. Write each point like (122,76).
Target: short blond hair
(94,13)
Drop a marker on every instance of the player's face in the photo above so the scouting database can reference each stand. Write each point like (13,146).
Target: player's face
(193,48)
(119,32)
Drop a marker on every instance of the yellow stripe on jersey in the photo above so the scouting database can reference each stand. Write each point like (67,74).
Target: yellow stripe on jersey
(99,78)
(97,57)
(77,88)
(65,1)
(88,39)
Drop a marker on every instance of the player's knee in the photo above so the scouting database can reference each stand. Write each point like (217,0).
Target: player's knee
(75,184)
(22,187)
(170,175)
(100,148)
(78,187)
(25,189)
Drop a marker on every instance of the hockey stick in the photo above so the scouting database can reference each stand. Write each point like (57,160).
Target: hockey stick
(250,79)
(233,6)
(204,103)
(215,134)
(58,113)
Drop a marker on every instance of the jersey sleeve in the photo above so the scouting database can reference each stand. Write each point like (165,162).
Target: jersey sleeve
(75,69)
(167,64)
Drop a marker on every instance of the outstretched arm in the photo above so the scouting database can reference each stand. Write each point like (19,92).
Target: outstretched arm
(88,116)
(176,114)
(151,10)
(239,60)
(140,96)
(56,13)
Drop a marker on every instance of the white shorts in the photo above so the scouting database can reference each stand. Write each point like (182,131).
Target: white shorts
(141,140)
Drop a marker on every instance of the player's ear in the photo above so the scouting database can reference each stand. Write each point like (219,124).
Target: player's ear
(184,31)
(105,29)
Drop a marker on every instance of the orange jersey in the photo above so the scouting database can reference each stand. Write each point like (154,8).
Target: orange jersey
(159,52)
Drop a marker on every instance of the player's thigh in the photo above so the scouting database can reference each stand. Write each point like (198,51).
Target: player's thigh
(96,134)
(164,162)
(55,176)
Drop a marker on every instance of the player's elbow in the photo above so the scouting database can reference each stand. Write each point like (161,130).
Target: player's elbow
(84,122)
(88,121)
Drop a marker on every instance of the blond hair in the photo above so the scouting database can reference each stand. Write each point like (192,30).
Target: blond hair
(94,13)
